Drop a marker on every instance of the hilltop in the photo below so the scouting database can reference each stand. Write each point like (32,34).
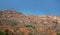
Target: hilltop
(15,23)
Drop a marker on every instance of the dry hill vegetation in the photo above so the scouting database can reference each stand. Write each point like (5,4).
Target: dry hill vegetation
(14,23)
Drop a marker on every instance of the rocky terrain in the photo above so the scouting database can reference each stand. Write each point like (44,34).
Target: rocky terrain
(15,23)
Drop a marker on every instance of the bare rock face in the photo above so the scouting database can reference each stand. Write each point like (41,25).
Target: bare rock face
(14,23)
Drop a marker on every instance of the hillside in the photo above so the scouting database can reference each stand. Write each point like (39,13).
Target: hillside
(15,23)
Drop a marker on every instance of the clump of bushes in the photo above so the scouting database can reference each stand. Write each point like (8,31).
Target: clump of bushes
(30,33)
(3,33)
(10,22)
(30,26)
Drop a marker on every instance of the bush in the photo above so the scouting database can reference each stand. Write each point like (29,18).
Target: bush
(2,33)
(30,26)
(30,33)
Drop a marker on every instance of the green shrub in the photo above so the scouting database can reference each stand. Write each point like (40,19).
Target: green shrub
(2,33)
(30,33)
(10,22)
(30,26)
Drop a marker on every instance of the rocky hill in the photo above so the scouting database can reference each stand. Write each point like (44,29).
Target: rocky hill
(15,23)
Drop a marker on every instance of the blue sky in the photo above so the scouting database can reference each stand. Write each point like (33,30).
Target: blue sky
(33,7)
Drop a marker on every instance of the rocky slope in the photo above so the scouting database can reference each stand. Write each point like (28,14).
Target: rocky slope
(14,23)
